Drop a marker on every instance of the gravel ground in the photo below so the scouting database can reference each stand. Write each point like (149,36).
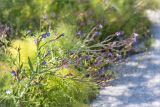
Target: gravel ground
(138,84)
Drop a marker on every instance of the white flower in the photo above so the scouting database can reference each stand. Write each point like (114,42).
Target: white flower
(135,34)
(100,26)
(8,92)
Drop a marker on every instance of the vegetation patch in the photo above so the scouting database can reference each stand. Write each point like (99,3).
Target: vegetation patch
(55,52)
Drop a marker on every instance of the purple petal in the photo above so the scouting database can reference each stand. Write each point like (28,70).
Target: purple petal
(79,33)
(119,33)
(97,33)
(44,63)
(13,73)
(35,41)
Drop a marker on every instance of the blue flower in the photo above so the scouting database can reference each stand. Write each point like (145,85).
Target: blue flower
(62,34)
(110,54)
(79,33)
(97,33)
(99,62)
(87,57)
(44,63)
(13,73)
(101,71)
(134,39)
(46,35)
(49,52)
(45,17)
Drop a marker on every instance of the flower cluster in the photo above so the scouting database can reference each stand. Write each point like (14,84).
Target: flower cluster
(46,35)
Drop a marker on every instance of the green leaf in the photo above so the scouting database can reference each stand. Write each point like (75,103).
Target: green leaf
(30,64)
(21,66)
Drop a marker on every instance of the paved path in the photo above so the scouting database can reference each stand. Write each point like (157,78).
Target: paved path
(139,84)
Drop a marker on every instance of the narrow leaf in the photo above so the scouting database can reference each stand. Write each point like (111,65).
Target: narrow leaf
(30,65)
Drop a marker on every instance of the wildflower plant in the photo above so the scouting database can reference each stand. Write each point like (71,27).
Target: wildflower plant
(98,54)
(27,80)
(87,57)
(60,73)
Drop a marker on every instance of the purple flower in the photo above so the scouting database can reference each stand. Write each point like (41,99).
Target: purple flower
(13,73)
(44,63)
(99,62)
(134,39)
(66,65)
(46,35)
(70,62)
(79,33)
(119,33)
(35,41)
(49,52)
(101,71)
(45,17)
(87,58)
(110,47)
(110,54)
(78,60)
(97,33)
(62,34)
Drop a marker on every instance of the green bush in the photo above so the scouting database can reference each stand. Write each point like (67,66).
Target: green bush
(127,15)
